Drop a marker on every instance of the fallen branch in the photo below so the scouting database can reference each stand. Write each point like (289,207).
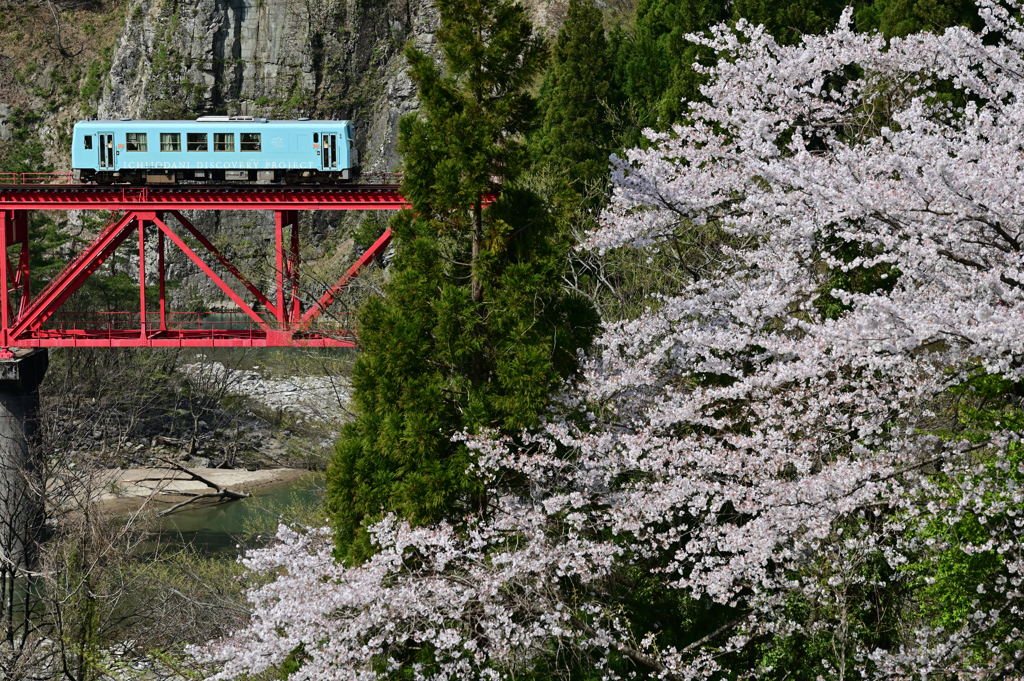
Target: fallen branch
(221,493)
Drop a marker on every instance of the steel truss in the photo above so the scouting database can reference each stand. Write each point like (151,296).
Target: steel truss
(28,321)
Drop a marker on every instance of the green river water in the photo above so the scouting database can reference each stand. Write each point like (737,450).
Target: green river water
(218,529)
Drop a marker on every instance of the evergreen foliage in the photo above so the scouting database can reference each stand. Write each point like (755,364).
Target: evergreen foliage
(903,17)
(575,136)
(654,65)
(24,152)
(918,573)
(474,329)
(787,21)
(655,68)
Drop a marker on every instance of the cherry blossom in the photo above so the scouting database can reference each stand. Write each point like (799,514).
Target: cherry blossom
(753,448)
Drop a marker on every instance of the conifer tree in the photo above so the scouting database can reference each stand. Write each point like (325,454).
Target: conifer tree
(474,328)
(655,68)
(903,17)
(787,21)
(575,136)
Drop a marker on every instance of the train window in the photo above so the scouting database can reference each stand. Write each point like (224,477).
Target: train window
(196,141)
(135,141)
(316,137)
(223,141)
(170,141)
(88,141)
(250,141)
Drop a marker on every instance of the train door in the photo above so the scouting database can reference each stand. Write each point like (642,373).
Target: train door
(329,153)
(106,150)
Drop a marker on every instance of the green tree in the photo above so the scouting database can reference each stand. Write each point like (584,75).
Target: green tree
(24,152)
(654,66)
(654,69)
(787,21)
(474,328)
(902,17)
(575,135)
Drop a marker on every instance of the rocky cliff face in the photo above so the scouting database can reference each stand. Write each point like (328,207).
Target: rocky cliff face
(273,58)
(279,59)
(179,59)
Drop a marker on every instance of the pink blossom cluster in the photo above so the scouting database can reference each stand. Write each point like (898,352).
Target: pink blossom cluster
(754,448)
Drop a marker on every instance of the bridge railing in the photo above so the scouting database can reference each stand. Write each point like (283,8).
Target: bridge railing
(68,178)
(234,323)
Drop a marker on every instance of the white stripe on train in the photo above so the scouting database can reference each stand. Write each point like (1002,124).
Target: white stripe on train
(199,165)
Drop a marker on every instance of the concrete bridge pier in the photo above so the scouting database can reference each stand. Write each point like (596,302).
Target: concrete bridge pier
(21,494)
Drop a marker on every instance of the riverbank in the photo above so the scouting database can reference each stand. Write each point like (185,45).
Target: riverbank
(123,490)
(313,399)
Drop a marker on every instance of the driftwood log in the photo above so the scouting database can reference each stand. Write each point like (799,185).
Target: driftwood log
(220,492)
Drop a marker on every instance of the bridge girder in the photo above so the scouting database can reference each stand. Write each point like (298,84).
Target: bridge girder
(35,322)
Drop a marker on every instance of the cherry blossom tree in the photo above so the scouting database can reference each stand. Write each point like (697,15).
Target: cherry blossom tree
(825,474)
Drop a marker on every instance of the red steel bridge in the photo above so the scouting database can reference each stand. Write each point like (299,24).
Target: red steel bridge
(30,320)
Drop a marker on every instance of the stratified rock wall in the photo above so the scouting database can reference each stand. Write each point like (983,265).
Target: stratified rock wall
(273,58)
(179,59)
(279,59)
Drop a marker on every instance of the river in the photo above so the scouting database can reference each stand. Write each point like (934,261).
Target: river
(218,530)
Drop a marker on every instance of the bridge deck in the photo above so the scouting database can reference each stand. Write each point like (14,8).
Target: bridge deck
(29,319)
(200,197)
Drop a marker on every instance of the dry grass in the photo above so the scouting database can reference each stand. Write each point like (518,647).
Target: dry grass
(54,61)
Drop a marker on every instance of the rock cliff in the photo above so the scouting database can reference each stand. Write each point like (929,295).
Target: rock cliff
(279,59)
(273,58)
(64,60)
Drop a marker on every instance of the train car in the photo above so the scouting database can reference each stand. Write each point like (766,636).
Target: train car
(214,149)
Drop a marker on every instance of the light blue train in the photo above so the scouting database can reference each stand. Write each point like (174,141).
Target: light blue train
(214,149)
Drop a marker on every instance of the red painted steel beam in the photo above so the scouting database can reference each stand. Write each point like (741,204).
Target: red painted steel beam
(142,276)
(161,273)
(279,218)
(6,230)
(88,197)
(176,340)
(22,279)
(71,278)
(332,293)
(225,262)
(25,328)
(242,305)
(293,269)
